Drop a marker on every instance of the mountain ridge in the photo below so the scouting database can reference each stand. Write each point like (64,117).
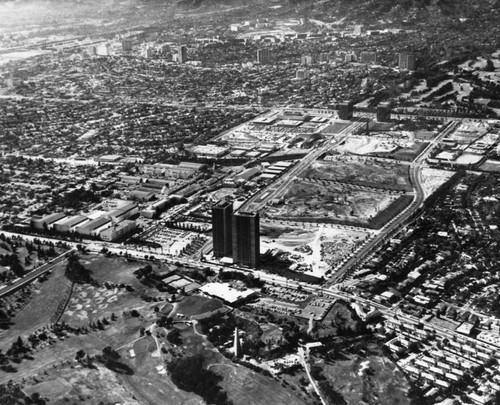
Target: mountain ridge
(377,8)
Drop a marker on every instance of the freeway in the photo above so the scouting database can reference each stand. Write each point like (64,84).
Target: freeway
(396,223)
(274,190)
(33,275)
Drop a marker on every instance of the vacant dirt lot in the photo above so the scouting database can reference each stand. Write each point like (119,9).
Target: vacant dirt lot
(361,171)
(315,199)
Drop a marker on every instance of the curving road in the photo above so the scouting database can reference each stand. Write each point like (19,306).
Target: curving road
(396,223)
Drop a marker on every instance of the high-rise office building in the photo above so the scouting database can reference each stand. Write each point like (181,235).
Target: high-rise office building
(149,53)
(246,239)
(263,56)
(182,56)
(222,214)
(346,110)
(11,81)
(127,45)
(407,61)
(384,112)
(350,57)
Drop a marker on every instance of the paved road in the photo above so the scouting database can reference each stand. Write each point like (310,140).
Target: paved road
(281,281)
(388,312)
(275,190)
(396,223)
(33,275)
(96,246)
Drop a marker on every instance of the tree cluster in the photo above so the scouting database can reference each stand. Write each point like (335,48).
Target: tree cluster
(249,279)
(77,272)
(12,394)
(77,198)
(110,358)
(13,262)
(188,374)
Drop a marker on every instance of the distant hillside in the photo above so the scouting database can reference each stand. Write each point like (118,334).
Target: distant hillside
(363,11)
(356,9)
(193,4)
(411,10)
(214,4)
(444,6)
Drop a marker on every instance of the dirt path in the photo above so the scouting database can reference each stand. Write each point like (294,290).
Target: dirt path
(311,380)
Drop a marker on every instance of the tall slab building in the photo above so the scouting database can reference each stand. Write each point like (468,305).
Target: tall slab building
(222,214)
(407,61)
(182,54)
(246,239)
(346,110)
(384,112)
(263,56)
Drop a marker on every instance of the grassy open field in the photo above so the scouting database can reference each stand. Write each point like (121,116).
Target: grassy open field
(53,368)
(148,384)
(245,386)
(87,304)
(50,389)
(361,171)
(117,270)
(371,380)
(82,385)
(119,332)
(242,385)
(196,305)
(39,311)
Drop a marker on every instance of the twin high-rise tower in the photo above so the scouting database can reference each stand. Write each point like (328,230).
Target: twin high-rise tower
(222,214)
(246,240)
(236,234)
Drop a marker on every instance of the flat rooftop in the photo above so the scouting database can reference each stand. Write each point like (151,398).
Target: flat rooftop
(225,292)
